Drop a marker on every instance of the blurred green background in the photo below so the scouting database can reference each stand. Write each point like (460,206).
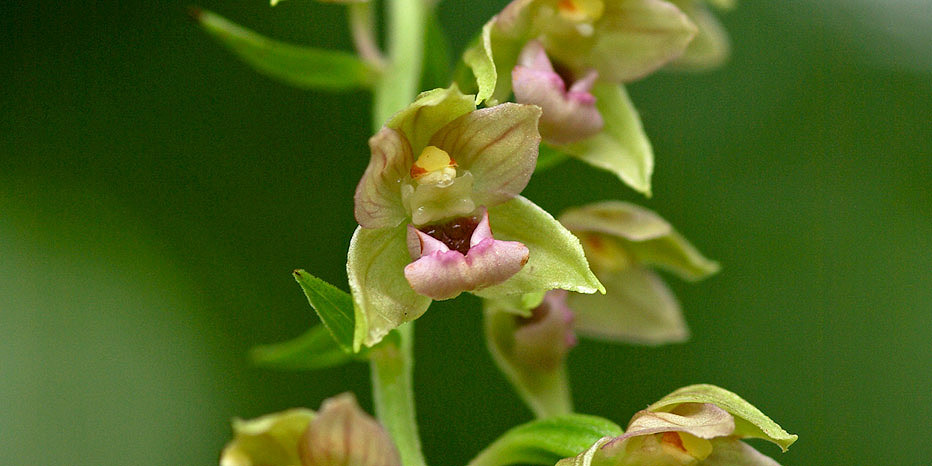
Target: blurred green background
(155,194)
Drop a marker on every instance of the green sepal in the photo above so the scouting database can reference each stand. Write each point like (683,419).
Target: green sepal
(300,66)
(315,349)
(546,441)
(556,257)
(622,147)
(749,421)
(333,305)
(383,298)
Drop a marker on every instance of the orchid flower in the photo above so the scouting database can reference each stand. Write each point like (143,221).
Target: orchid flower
(623,242)
(710,47)
(340,434)
(530,337)
(695,425)
(442,179)
(570,58)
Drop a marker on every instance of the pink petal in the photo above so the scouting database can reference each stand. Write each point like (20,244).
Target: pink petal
(567,116)
(441,273)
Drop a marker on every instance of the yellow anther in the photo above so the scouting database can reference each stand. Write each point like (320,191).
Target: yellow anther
(581,11)
(434,166)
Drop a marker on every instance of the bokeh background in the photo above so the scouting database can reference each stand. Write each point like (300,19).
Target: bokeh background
(155,194)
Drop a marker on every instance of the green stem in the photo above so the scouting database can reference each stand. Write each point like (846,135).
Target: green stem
(392,365)
(399,83)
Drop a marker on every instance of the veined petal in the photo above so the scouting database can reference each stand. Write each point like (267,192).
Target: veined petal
(498,145)
(749,421)
(703,420)
(428,113)
(378,202)
(733,452)
(568,116)
(342,434)
(382,296)
(638,307)
(630,40)
(642,233)
(441,273)
(556,256)
(622,146)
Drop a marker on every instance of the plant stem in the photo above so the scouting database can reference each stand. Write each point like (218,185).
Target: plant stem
(399,83)
(362,26)
(392,365)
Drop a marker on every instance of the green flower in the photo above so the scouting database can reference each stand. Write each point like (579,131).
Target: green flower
(340,434)
(442,179)
(695,425)
(570,57)
(623,242)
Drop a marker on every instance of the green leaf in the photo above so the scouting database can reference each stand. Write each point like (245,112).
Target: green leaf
(546,441)
(303,67)
(334,306)
(382,296)
(315,349)
(436,72)
(556,257)
(749,421)
(622,147)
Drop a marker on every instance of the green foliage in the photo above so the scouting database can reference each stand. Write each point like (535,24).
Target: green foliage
(315,349)
(333,306)
(546,441)
(304,67)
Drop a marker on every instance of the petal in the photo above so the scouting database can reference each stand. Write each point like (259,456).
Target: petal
(643,234)
(556,257)
(732,452)
(593,456)
(375,269)
(632,39)
(567,116)
(637,308)
(711,47)
(703,420)
(268,440)
(422,244)
(622,146)
(749,421)
(446,274)
(342,434)
(498,145)
(428,113)
(378,201)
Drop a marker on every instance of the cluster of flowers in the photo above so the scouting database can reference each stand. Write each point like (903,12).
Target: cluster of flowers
(440,213)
